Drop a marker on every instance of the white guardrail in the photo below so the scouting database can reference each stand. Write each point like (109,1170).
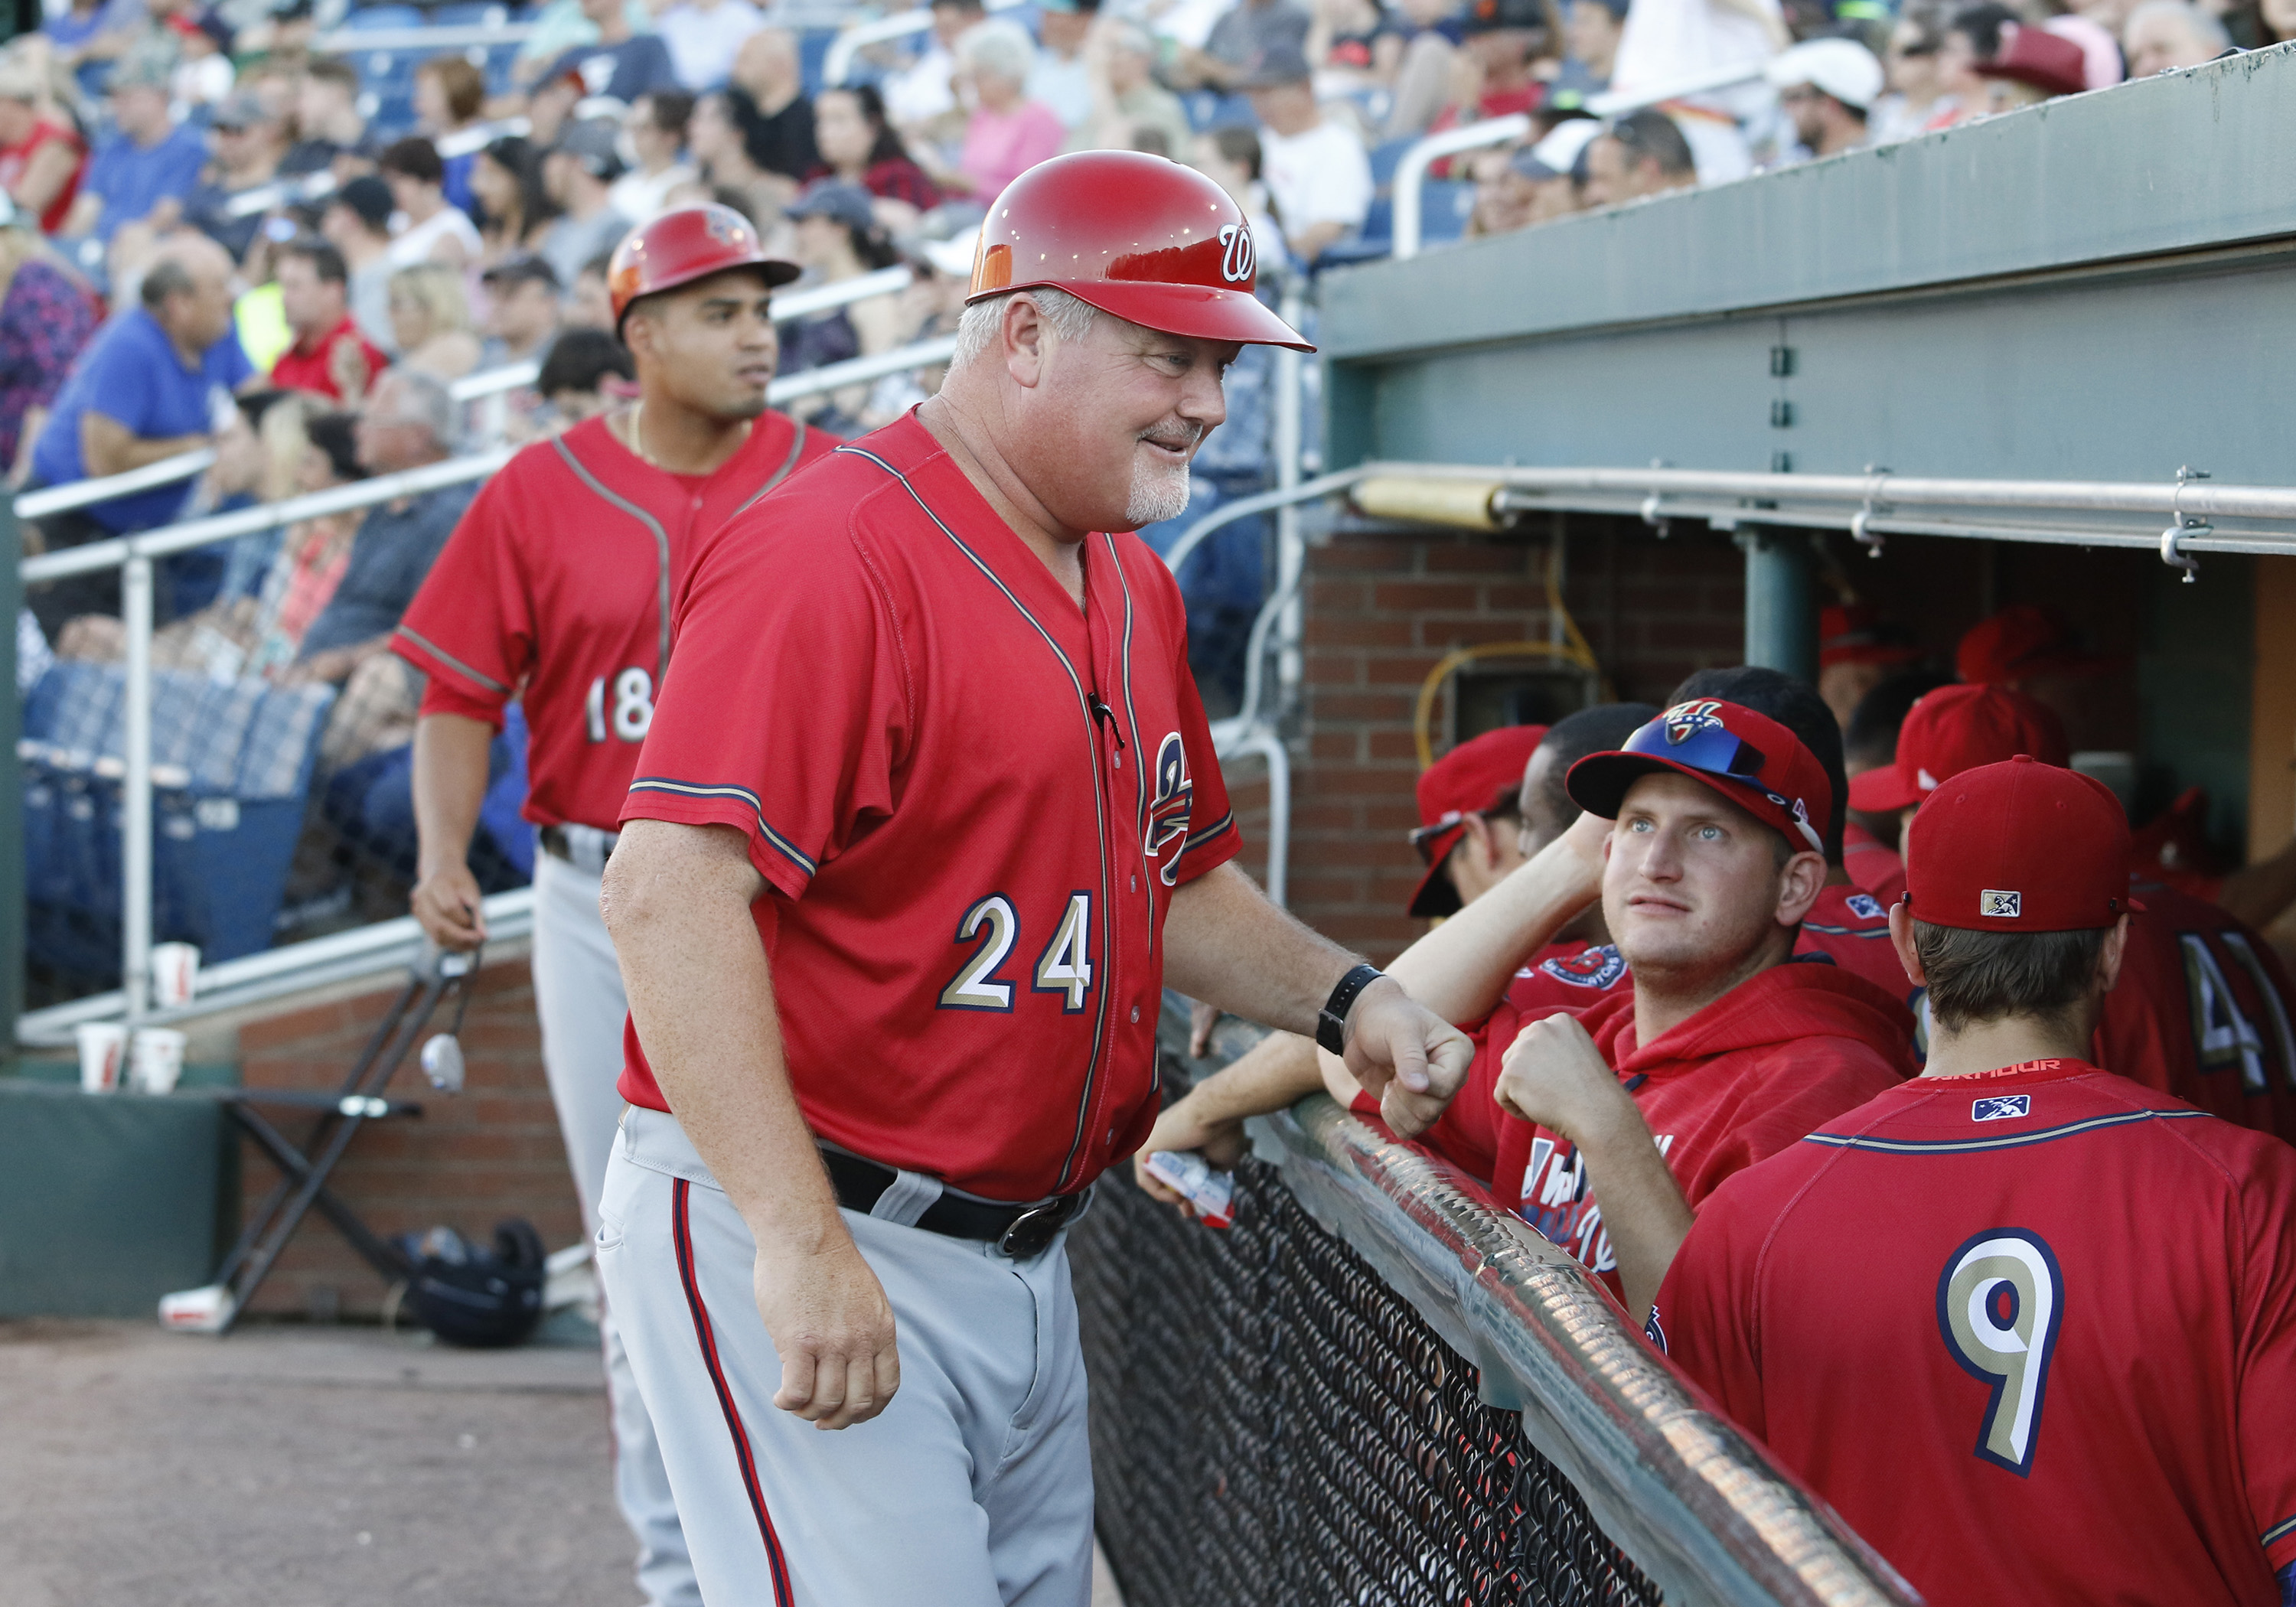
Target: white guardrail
(1411,172)
(838,62)
(352,953)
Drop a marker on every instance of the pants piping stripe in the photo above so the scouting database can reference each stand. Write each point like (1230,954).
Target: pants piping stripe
(682,1235)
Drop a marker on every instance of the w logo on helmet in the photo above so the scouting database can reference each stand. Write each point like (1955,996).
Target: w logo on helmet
(1686,720)
(1168,816)
(1236,261)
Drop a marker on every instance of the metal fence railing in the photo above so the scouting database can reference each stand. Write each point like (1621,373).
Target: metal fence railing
(1378,1386)
(108,770)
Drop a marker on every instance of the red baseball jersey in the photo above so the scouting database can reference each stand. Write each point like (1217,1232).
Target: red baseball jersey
(2202,1012)
(556,589)
(1873,865)
(1780,1053)
(972,803)
(2033,1334)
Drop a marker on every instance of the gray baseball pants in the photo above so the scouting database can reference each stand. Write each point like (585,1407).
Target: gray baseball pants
(577,994)
(973,1488)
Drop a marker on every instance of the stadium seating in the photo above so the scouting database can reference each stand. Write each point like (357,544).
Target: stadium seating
(231,762)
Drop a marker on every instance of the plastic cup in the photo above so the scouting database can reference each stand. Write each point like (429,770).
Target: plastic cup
(158,1058)
(175,974)
(102,1054)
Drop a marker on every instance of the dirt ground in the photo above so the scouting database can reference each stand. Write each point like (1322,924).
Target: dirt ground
(304,1467)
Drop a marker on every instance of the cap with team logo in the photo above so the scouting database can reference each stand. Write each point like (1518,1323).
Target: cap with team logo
(1139,237)
(1747,758)
(1958,728)
(2019,846)
(1480,774)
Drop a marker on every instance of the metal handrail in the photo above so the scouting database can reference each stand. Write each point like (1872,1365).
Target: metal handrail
(842,49)
(350,41)
(884,282)
(81,493)
(276,972)
(1411,172)
(1699,1506)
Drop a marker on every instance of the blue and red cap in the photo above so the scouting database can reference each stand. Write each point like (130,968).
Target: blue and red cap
(1748,759)
(1480,774)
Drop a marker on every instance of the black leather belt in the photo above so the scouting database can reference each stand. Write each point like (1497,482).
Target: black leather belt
(555,844)
(1019,1231)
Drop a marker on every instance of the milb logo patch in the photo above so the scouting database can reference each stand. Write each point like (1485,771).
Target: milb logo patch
(1997,905)
(1866,907)
(2001,1107)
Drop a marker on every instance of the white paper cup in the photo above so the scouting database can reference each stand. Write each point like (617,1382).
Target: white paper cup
(102,1054)
(158,1059)
(175,974)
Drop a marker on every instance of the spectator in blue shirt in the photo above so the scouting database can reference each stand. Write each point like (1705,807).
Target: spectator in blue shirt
(154,384)
(621,66)
(150,160)
(249,141)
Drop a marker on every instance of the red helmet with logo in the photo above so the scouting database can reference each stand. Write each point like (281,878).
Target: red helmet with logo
(679,247)
(1139,237)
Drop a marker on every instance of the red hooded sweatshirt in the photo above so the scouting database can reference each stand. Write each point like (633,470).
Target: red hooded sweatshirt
(1769,1063)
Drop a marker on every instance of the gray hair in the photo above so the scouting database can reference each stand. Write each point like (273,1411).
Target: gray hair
(976,332)
(424,401)
(2204,28)
(998,48)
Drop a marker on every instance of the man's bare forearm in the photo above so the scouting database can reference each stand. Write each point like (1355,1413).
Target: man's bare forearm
(1274,1075)
(450,786)
(701,997)
(1460,969)
(1644,1211)
(1226,944)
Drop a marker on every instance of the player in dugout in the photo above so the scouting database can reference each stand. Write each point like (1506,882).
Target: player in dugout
(1485,807)
(2203,1008)
(2082,1292)
(1698,841)
(555,589)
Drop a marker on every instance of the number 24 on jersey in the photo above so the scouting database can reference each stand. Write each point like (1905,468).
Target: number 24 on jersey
(993,927)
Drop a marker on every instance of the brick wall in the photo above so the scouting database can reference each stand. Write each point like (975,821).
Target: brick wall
(1383,607)
(468,1160)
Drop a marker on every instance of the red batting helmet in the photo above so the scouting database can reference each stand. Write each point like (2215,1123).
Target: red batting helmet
(1140,238)
(679,247)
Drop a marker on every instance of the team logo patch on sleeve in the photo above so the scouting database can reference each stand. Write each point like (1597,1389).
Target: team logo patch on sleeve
(1866,907)
(2001,1107)
(1996,905)
(1597,968)
(1167,815)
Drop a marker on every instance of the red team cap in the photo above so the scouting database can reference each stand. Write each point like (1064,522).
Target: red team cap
(1481,773)
(1958,728)
(2019,641)
(679,247)
(1140,238)
(1856,633)
(1747,758)
(2019,847)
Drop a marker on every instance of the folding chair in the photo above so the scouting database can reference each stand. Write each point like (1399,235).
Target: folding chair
(304,1168)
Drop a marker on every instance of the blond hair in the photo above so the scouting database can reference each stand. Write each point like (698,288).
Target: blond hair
(438,290)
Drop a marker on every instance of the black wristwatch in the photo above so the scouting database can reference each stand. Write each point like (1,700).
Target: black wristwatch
(1332,1021)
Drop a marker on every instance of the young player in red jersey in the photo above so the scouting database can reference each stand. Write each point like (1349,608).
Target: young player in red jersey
(2202,1009)
(1462,856)
(2029,1327)
(555,589)
(928,815)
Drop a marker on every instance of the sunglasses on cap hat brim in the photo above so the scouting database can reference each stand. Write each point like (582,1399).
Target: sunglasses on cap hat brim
(1709,752)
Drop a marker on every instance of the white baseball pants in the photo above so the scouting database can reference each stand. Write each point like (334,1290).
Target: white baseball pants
(973,1488)
(577,994)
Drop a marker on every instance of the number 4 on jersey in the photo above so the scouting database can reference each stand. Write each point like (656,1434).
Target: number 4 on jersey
(1065,967)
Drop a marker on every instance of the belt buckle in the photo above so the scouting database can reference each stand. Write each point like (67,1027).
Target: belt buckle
(1032,1232)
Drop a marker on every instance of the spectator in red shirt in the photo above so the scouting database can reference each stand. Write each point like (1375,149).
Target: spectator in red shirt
(330,357)
(1503,37)
(41,158)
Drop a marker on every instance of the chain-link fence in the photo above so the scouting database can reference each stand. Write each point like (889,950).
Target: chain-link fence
(1273,1425)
